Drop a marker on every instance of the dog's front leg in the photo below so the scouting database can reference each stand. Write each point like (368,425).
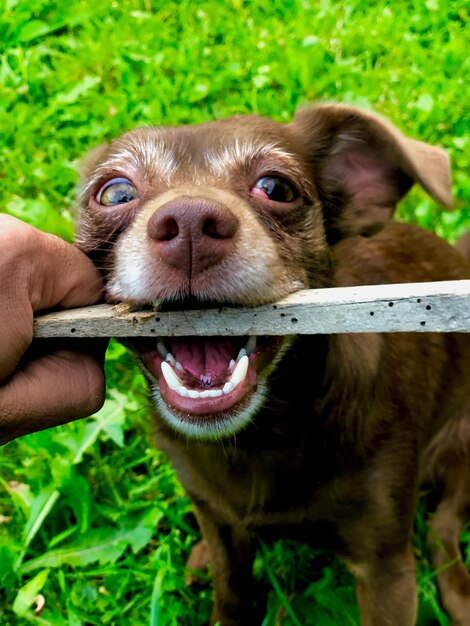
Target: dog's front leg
(386,589)
(445,528)
(232,552)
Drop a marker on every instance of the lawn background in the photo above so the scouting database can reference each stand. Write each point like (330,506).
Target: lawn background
(90,515)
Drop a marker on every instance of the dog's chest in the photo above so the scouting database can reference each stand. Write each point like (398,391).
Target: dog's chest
(271,495)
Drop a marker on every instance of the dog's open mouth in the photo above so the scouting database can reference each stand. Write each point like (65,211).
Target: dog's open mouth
(208,383)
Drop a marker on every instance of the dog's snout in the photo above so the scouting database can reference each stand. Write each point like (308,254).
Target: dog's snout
(192,234)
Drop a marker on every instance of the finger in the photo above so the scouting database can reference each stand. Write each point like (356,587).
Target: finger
(37,271)
(57,388)
(63,277)
(15,334)
(54,272)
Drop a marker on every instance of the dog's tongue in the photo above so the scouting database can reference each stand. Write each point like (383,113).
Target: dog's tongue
(204,357)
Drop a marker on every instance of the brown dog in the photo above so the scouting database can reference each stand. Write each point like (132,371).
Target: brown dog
(325,439)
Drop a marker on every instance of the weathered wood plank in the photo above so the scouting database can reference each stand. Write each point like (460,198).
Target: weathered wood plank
(421,307)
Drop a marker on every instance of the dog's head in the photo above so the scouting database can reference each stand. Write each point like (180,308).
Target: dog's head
(239,211)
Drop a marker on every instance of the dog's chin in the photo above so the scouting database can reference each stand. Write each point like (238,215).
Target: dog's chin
(209,387)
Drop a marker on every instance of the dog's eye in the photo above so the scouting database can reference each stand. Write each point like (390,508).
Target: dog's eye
(275,188)
(116,191)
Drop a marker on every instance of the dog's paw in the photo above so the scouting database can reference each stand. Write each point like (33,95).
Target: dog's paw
(197,566)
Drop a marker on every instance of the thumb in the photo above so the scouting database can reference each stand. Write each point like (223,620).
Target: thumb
(56,388)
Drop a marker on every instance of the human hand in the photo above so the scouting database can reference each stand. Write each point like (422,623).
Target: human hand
(43,384)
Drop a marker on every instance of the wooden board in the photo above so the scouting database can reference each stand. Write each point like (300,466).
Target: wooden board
(421,307)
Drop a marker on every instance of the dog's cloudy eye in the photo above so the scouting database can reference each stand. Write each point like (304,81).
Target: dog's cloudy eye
(275,188)
(116,191)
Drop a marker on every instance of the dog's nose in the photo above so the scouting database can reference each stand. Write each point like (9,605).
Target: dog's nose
(192,234)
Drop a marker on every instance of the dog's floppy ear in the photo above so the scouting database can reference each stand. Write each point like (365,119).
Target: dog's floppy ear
(363,166)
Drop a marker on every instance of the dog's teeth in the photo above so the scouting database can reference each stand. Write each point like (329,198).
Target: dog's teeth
(241,354)
(228,387)
(231,364)
(192,393)
(162,351)
(210,393)
(214,393)
(174,382)
(250,344)
(170,358)
(178,366)
(182,391)
(157,303)
(240,371)
(170,376)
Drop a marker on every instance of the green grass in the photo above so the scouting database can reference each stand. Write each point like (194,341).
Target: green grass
(93,517)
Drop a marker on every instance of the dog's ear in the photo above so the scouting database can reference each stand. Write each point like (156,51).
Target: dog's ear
(363,166)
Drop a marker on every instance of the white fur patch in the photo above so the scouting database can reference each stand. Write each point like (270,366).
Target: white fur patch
(237,154)
(149,155)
